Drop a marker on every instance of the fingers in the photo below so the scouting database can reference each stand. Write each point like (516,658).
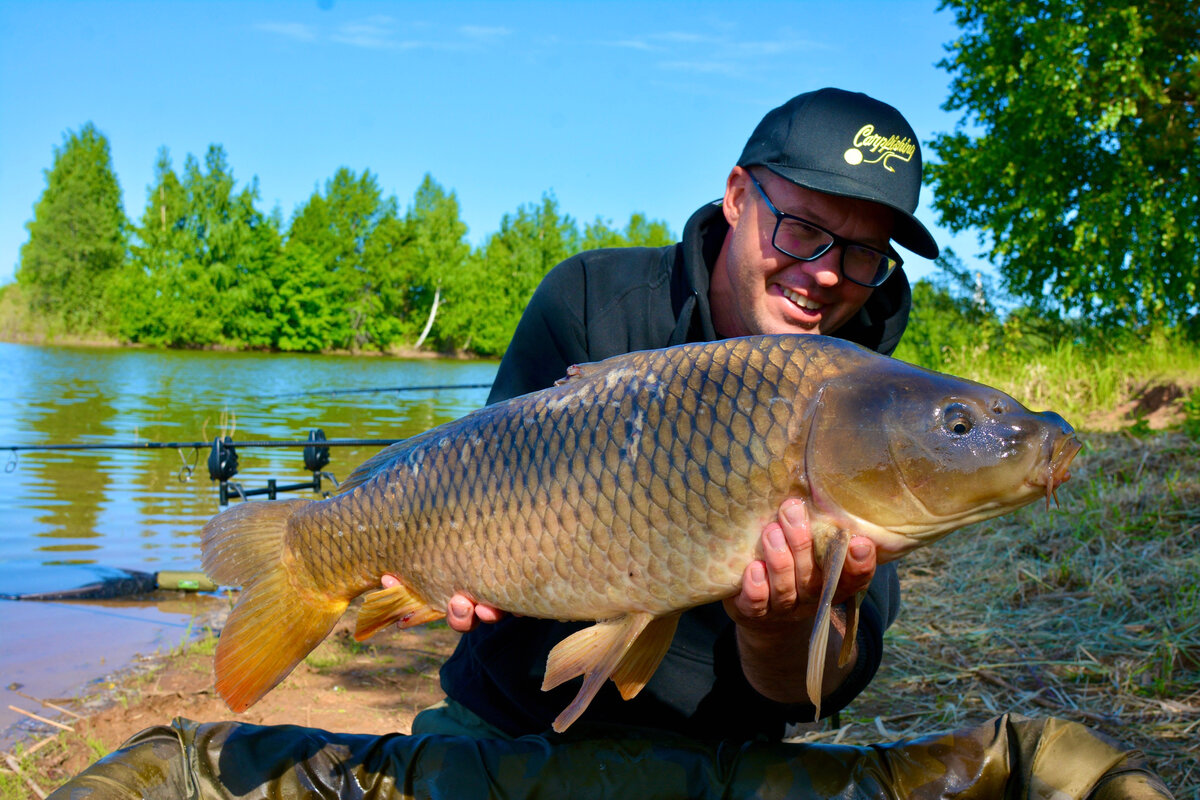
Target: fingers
(861,560)
(462,613)
(786,583)
(753,602)
(778,583)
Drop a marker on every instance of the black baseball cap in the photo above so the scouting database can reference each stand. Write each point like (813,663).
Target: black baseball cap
(847,144)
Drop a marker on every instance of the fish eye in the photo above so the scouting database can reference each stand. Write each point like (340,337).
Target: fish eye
(957,420)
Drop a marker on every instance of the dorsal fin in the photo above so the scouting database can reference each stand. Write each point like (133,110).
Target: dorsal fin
(367,469)
(576,371)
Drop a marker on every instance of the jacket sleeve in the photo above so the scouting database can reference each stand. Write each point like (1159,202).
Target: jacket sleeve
(550,336)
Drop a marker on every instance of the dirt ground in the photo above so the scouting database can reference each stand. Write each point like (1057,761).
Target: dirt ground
(374,687)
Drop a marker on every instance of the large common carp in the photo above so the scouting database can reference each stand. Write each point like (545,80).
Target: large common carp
(634,489)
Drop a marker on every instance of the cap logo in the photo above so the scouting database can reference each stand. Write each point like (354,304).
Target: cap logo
(884,148)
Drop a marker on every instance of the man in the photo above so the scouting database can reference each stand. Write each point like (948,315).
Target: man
(800,243)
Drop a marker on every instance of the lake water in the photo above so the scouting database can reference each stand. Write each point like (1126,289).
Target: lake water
(65,513)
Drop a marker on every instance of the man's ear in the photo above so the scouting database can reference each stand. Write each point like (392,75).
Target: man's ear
(737,194)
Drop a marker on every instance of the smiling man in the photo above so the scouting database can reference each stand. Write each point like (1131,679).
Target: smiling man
(800,242)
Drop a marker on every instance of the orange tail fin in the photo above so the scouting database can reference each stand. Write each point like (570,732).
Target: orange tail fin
(275,622)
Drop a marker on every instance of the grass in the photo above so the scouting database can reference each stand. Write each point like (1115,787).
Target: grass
(1090,612)
(335,651)
(1087,385)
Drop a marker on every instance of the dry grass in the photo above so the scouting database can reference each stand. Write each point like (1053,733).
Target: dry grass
(1090,613)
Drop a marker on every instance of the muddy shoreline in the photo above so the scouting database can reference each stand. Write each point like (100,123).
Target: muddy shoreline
(374,687)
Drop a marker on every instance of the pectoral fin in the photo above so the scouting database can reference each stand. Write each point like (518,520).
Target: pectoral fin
(595,653)
(851,629)
(394,604)
(833,561)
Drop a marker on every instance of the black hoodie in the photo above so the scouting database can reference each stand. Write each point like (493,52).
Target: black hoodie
(604,303)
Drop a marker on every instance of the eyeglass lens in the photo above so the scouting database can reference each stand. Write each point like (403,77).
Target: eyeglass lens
(860,264)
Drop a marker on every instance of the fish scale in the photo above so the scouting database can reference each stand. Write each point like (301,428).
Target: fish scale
(633,489)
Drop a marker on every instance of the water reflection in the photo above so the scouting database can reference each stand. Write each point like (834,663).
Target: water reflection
(139,509)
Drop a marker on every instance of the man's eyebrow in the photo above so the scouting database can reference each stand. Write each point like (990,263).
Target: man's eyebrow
(824,223)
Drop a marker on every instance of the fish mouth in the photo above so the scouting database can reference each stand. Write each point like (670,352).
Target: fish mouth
(1062,452)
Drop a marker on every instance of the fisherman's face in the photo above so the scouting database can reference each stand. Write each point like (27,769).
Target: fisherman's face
(757,289)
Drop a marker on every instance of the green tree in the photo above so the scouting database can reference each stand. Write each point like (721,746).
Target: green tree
(438,252)
(500,277)
(639,232)
(200,273)
(1079,152)
(346,268)
(77,236)
(953,319)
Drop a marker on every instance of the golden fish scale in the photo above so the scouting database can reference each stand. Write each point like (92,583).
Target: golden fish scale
(642,485)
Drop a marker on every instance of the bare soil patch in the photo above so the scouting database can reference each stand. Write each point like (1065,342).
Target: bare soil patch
(374,687)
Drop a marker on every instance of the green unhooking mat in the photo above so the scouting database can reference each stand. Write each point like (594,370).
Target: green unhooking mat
(1008,757)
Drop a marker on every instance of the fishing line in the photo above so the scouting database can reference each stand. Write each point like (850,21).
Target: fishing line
(338,392)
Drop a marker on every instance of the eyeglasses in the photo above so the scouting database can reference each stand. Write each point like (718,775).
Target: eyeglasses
(807,241)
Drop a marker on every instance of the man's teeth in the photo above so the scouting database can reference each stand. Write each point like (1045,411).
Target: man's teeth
(800,300)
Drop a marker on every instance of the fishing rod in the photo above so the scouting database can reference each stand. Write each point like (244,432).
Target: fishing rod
(223,460)
(338,392)
(197,445)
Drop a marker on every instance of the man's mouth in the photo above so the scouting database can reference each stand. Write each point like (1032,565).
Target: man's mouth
(800,300)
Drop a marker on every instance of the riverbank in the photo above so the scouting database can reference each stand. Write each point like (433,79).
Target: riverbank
(1087,612)
(375,688)
(18,325)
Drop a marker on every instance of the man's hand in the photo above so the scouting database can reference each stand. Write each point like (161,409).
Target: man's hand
(462,613)
(775,610)
(786,585)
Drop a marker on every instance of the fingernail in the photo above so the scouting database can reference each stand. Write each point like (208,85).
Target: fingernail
(860,551)
(793,513)
(758,573)
(776,540)
(458,611)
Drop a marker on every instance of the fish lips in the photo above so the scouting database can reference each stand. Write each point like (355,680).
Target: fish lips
(1062,450)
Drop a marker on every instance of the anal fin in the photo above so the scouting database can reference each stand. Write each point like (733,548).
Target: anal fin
(396,603)
(833,561)
(595,653)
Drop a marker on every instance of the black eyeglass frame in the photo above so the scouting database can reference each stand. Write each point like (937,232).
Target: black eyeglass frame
(891,258)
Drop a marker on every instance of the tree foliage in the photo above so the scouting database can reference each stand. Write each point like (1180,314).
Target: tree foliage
(199,273)
(205,267)
(1079,152)
(342,259)
(77,236)
(500,277)
(439,250)
(639,232)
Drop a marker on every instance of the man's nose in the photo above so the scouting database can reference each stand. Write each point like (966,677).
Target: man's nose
(826,270)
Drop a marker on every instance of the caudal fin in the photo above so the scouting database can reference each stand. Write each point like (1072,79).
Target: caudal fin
(275,623)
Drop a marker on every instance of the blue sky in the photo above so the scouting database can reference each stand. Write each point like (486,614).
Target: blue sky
(614,107)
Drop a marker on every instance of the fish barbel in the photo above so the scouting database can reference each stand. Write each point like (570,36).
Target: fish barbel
(635,488)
